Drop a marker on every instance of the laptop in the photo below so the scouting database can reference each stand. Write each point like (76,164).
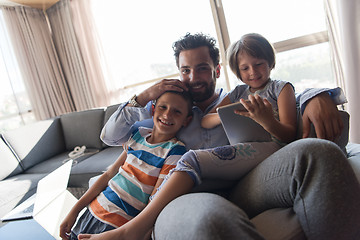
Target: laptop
(49,205)
(240,129)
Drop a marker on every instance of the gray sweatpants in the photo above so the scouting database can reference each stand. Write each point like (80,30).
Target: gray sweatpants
(312,176)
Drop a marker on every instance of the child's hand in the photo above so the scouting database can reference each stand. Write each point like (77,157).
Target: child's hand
(66,225)
(258,109)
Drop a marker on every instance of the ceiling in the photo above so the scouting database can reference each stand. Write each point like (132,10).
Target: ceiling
(41,4)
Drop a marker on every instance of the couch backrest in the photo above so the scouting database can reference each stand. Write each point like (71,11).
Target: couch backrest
(83,128)
(10,165)
(36,142)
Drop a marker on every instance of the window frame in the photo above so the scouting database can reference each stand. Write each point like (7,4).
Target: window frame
(281,46)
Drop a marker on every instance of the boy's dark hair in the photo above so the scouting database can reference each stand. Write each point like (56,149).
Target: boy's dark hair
(191,41)
(254,45)
(186,96)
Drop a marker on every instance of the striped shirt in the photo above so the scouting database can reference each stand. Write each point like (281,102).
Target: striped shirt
(129,190)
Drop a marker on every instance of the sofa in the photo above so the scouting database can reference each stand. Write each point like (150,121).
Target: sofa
(29,153)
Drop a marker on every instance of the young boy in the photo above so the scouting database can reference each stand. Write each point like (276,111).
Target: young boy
(125,188)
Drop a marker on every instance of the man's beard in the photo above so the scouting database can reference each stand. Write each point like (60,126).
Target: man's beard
(203,96)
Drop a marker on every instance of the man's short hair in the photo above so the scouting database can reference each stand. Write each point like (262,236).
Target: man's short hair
(191,41)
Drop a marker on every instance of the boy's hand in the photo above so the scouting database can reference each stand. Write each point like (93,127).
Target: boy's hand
(66,225)
(258,109)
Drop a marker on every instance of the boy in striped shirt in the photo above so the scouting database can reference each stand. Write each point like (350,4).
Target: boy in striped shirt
(125,188)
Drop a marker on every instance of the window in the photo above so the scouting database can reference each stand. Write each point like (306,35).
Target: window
(283,21)
(306,67)
(139,48)
(137,37)
(15,107)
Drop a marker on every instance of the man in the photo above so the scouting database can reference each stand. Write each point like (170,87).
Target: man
(309,175)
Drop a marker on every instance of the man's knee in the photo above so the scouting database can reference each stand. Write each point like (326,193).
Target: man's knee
(317,150)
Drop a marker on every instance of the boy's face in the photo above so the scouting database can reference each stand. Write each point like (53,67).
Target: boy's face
(170,114)
(254,72)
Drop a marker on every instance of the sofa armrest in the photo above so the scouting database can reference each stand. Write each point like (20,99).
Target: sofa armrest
(353,151)
(10,165)
(37,142)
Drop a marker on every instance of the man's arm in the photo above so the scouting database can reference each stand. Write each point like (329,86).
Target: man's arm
(118,128)
(318,106)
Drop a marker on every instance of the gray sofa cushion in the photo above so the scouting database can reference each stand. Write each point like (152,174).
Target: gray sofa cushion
(279,224)
(353,151)
(36,142)
(9,163)
(93,166)
(49,165)
(83,128)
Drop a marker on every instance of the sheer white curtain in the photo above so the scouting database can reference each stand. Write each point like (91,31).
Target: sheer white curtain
(58,57)
(38,62)
(86,86)
(91,49)
(343,20)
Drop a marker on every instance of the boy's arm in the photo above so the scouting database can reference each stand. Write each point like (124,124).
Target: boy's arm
(178,184)
(157,185)
(212,119)
(99,185)
(169,164)
(287,114)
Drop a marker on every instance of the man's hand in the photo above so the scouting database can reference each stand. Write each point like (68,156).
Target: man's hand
(323,113)
(159,88)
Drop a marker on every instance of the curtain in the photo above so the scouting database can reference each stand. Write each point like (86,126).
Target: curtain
(91,49)
(38,62)
(80,80)
(59,57)
(343,21)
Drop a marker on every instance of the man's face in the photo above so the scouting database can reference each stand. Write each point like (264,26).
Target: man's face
(198,72)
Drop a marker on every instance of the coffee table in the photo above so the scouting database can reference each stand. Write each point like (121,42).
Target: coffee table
(28,229)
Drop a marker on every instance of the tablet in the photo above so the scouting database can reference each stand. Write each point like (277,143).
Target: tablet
(240,129)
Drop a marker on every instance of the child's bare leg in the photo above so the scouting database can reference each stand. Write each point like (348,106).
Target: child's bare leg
(178,184)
